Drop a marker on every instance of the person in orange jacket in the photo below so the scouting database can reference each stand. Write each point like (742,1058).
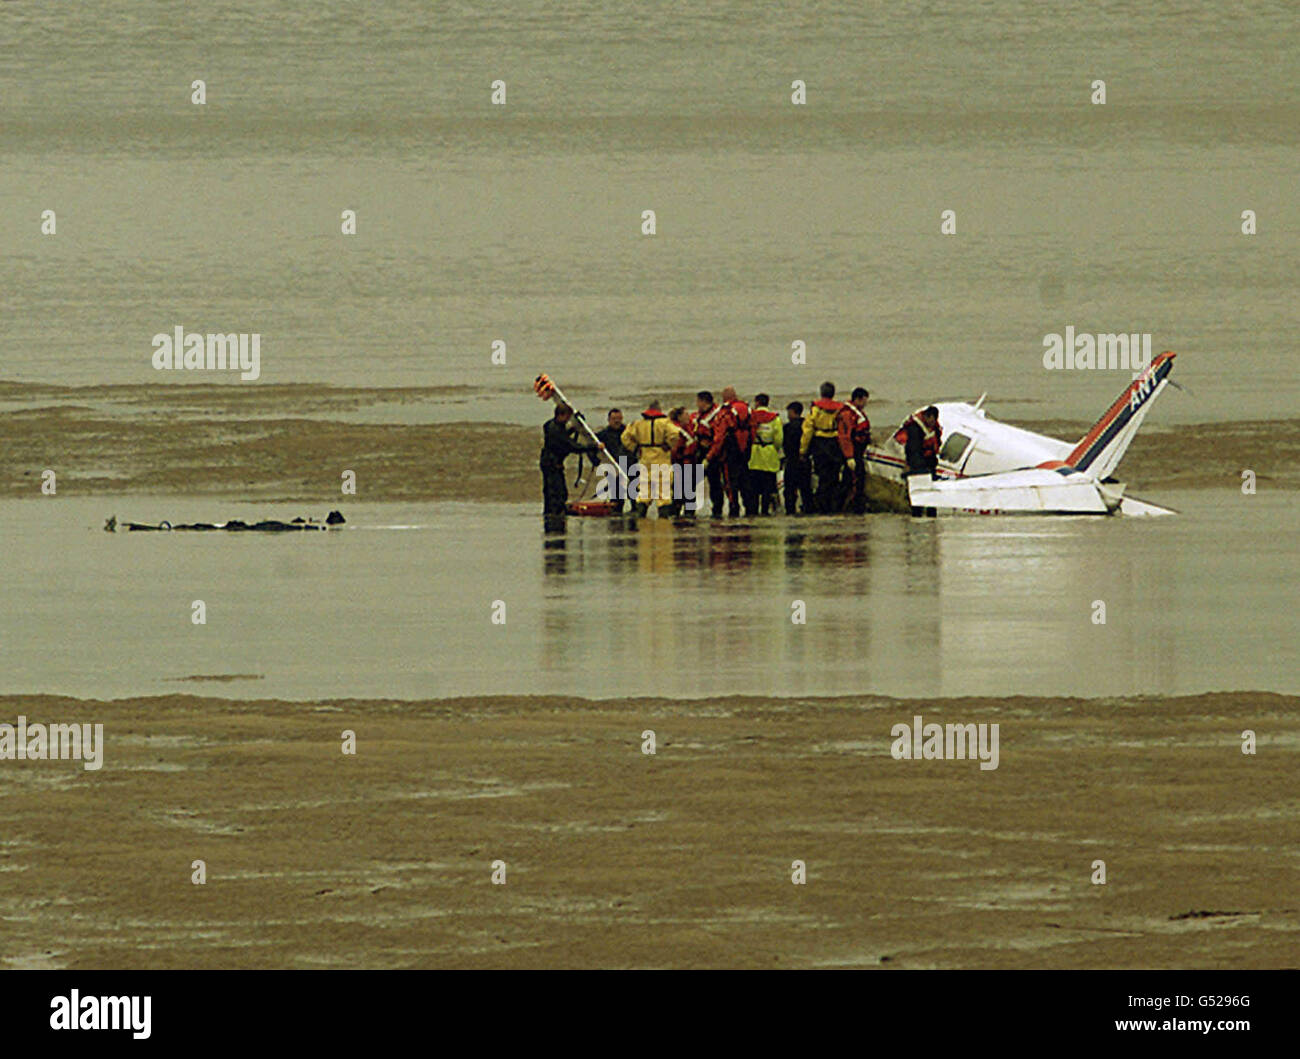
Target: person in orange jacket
(860,435)
(731,447)
(828,441)
(683,461)
(921,437)
(704,429)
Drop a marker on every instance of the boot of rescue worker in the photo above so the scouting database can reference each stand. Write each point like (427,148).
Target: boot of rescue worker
(839,485)
(839,488)
(717,490)
(797,494)
(555,492)
(687,492)
(855,495)
(737,482)
(846,498)
(689,502)
(828,468)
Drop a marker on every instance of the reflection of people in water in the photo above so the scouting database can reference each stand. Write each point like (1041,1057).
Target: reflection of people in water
(554,550)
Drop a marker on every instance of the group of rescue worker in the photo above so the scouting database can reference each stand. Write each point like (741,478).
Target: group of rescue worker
(739,449)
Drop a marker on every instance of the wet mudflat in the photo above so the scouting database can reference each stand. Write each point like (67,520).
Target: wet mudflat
(616,858)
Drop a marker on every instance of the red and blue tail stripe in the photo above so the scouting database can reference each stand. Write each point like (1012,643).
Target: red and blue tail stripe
(1118,415)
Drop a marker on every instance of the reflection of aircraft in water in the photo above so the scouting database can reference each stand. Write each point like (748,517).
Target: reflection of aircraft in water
(992,468)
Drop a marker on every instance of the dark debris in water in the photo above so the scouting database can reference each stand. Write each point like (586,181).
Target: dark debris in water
(1203,914)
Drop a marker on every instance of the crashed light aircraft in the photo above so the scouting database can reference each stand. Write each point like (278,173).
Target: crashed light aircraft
(991,468)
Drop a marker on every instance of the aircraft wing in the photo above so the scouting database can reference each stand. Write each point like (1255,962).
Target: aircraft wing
(1131,505)
(1034,491)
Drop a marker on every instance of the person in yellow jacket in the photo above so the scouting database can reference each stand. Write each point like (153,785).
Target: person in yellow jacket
(828,439)
(652,439)
(764,458)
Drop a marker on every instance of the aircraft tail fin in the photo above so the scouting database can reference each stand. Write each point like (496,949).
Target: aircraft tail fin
(1101,449)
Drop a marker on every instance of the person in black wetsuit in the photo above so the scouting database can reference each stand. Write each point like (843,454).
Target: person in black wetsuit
(798,479)
(612,438)
(558,443)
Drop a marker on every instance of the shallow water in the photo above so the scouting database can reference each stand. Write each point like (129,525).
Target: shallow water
(399,603)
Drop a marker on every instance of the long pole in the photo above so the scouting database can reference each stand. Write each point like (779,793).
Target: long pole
(548,391)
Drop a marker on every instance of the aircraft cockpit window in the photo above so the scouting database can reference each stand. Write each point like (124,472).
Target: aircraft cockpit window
(953,448)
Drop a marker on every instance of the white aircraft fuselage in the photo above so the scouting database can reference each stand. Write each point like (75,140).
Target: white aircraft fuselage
(988,467)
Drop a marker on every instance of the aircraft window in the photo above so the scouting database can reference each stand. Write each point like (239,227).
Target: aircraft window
(953,448)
